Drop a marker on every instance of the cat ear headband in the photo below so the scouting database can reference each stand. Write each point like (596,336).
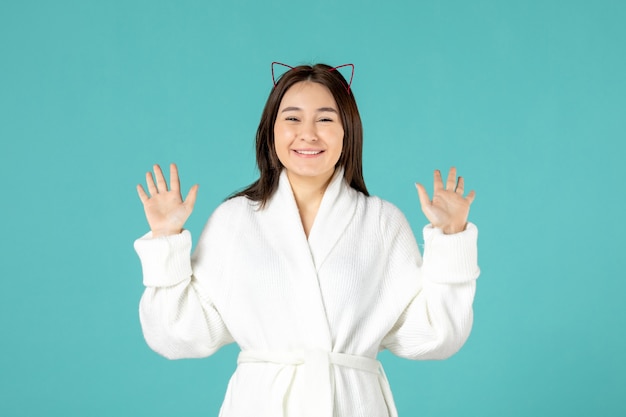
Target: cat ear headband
(331,69)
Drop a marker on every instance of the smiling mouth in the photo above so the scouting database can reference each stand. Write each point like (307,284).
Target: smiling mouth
(308,152)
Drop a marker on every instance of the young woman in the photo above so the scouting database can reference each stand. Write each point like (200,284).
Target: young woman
(306,272)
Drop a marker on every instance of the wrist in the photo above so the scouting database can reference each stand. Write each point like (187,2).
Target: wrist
(452,229)
(163,233)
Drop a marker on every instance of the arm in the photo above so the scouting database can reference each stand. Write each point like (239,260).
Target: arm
(177,316)
(439,318)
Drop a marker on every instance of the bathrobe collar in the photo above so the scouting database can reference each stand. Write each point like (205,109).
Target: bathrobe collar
(333,216)
(303,258)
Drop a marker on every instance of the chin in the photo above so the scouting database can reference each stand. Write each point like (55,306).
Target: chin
(312,174)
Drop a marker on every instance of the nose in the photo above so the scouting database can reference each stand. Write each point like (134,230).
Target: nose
(308,132)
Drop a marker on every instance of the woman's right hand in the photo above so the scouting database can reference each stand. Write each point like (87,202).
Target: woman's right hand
(165,209)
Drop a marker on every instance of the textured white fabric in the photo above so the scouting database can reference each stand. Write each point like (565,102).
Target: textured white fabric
(317,377)
(356,286)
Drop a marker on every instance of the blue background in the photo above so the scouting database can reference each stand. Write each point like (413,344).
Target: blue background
(526,98)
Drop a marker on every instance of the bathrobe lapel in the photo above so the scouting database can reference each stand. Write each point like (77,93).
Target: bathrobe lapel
(308,390)
(303,258)
(335,213)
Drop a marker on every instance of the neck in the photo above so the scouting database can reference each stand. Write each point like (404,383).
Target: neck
(308,190)
(308,193)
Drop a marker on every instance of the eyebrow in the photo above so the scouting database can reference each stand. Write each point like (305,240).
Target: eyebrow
(321,109)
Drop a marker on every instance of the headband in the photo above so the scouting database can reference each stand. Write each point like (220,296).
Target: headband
(331,69)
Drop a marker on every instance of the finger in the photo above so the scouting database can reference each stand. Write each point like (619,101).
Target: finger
(460,186)
(150,182)
(423,195)
(190,199)
(451,182)
(438,181)
(142,194)
(160,179)
(470,197)
(174,180)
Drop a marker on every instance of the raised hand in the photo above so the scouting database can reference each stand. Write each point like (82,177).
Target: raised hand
(448,210)
(165,209)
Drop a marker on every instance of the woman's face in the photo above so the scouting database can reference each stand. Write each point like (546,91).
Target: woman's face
(308,132)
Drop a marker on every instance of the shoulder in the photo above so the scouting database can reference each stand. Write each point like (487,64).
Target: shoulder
(383,213)
(392,224)
(384,210)
(221,231)
(227,217)
(381,224)
(233,208)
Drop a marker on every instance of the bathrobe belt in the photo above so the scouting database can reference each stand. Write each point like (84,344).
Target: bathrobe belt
(314,367)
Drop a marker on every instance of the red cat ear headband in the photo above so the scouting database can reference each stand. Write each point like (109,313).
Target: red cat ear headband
(331,69)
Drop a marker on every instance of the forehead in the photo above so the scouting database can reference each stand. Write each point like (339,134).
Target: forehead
(307,93)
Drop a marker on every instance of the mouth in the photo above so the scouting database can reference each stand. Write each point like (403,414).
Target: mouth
(308,152)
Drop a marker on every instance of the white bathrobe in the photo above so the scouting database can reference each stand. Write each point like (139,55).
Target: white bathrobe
(310,315)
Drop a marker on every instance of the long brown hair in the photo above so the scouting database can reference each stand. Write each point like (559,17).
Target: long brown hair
(269,165)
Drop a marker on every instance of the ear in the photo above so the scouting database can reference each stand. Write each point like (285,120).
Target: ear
(351,74)
(278,63)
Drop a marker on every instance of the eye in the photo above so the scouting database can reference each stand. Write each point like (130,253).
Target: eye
(326,119)
(291,119)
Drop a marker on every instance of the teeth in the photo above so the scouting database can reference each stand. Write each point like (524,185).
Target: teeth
(309,152)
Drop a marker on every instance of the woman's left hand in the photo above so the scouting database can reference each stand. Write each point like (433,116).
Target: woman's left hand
(448,210)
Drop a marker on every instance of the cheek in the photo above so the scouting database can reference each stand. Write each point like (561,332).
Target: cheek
(282,134)
(281,142)
(339,139)
(340,145)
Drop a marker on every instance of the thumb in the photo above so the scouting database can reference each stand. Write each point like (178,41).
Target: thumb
(190,199)
(423,195)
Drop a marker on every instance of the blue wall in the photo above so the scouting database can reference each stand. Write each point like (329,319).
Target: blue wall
(527,99)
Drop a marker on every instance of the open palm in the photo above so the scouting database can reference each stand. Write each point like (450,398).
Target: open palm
(165,209)
(448,209)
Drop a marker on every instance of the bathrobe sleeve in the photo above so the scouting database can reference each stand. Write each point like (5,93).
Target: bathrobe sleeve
(438,318)
(178,317)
